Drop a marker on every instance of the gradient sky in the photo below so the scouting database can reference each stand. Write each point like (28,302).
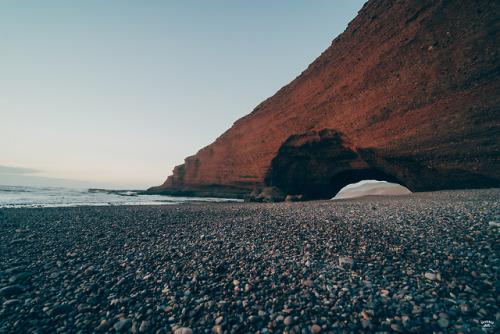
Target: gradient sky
(116,93)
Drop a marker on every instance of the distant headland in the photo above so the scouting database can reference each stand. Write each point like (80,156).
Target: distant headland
(409,93)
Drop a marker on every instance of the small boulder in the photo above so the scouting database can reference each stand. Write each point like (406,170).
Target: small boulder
(295,198)
(268,195)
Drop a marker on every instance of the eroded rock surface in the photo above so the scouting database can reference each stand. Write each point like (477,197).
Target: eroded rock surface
(409,93)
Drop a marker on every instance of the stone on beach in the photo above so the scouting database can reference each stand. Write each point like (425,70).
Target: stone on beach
(345,261)
(123,325)
(61,309)
(145,326)
(11,302)
(315,329)
(443,322)
(217,329)
(431,276)
(12,290)
(20,277)
(397,328)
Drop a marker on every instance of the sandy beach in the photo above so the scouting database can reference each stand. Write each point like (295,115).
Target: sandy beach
(421,263)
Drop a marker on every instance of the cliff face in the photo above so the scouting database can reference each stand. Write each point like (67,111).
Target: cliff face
(409,93)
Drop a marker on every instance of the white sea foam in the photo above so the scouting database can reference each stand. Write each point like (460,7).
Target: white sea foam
(17,196)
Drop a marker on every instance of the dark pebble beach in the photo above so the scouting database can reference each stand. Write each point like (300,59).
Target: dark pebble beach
(420,263)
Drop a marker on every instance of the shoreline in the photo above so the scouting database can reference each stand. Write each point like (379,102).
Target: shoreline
(39,197)
(421,262)
(224,200)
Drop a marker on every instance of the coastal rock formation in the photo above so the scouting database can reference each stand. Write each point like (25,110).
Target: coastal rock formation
(409,93)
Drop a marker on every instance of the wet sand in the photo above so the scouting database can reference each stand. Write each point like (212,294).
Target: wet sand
(421,263)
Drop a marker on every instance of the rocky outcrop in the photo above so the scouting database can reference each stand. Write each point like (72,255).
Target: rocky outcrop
(409,93)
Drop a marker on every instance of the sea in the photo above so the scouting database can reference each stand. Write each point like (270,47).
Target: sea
(22,197)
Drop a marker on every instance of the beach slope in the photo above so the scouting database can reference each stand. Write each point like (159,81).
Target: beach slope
(419,263)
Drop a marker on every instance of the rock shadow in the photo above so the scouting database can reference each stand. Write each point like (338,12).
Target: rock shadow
(320,164)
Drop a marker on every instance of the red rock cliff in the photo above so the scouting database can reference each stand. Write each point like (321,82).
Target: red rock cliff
(409,93)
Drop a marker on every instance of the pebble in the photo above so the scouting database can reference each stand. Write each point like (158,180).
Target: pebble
(12,290)
(217,329)
(20,277)
(345,261)
(90,271)
(103,325)
(431,276)
(61,309)
(288,321)
(365,315)
(123,325)
(443,322)
(11,302)
(145,326)
(315,329)
(15,270)
(183,330)
(308,283)
(397,328)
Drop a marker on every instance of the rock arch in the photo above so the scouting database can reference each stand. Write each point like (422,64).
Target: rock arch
(320,163)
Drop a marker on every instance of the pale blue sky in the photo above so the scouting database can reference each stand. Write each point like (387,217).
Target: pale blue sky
(117,93)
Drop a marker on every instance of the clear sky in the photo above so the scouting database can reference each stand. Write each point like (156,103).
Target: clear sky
(116,93)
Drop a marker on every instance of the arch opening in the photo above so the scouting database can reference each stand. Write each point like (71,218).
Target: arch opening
(363,180)
(371,188)
(319,164)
